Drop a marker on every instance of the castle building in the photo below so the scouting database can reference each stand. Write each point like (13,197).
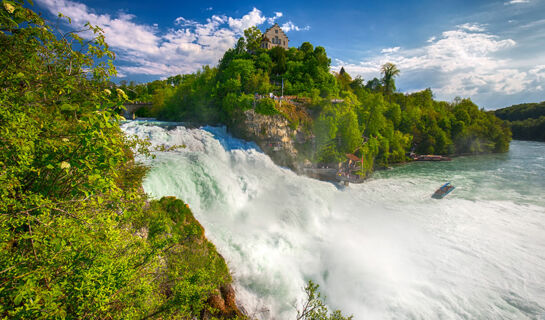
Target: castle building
(274,37)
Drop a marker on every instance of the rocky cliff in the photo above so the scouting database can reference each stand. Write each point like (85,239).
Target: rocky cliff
(274,135)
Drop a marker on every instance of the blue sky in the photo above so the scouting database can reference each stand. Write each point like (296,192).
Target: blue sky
(490,51)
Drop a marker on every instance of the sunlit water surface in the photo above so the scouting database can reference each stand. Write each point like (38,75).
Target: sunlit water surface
(380,250)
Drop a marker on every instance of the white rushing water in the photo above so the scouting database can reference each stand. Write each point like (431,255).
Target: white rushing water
(380,250)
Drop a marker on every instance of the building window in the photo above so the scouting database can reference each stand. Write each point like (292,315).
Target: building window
(275,30)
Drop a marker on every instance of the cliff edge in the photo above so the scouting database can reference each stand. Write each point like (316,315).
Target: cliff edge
(274,135)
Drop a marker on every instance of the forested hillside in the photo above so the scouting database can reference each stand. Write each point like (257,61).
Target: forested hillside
(344,114)
(527,120)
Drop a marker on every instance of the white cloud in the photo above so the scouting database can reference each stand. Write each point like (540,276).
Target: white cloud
(122,31)
(144,49)
(390,50)
(253,18)
(538,72)
(474,27)
(181,21)
(277,15)
(517,1)
(289,26)
(459,62)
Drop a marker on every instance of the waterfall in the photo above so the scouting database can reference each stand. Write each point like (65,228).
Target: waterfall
(379,250)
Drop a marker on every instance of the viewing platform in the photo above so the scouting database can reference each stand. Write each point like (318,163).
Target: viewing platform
(429,157)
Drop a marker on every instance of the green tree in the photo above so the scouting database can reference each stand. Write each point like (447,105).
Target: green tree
(344,79)
(393,113)
(253,38)
(374,85)
(240,47)
(278,56)
(306,48)
(313,308)
(389,72)
(350,133)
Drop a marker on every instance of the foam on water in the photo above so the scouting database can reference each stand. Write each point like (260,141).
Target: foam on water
(380,250)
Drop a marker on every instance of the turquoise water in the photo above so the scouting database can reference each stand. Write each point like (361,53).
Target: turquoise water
(518,175)
(379,250)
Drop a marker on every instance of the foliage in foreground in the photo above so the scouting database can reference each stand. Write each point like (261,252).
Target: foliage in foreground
(77,239)
(313,307)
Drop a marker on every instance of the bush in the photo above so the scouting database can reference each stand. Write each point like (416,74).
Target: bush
(266,106)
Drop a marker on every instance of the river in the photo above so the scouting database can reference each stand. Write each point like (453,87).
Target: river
(379,250)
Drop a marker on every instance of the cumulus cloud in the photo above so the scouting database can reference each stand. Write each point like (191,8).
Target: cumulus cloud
(253,18)
(460,62)
(123,32)
(145,49)
(289,26)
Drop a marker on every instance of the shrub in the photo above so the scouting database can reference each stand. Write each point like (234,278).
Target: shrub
(266,106)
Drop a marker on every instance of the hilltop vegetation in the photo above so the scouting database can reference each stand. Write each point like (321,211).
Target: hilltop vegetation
(345,115)
(527,120)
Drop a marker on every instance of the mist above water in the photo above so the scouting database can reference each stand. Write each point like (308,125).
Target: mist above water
(380,250)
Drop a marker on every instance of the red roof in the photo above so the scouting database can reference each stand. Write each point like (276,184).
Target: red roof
(352,157)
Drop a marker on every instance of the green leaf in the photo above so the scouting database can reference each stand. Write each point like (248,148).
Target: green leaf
(67,107)
(9,6)
(19,297)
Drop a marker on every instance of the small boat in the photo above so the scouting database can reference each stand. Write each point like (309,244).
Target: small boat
(443,191)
